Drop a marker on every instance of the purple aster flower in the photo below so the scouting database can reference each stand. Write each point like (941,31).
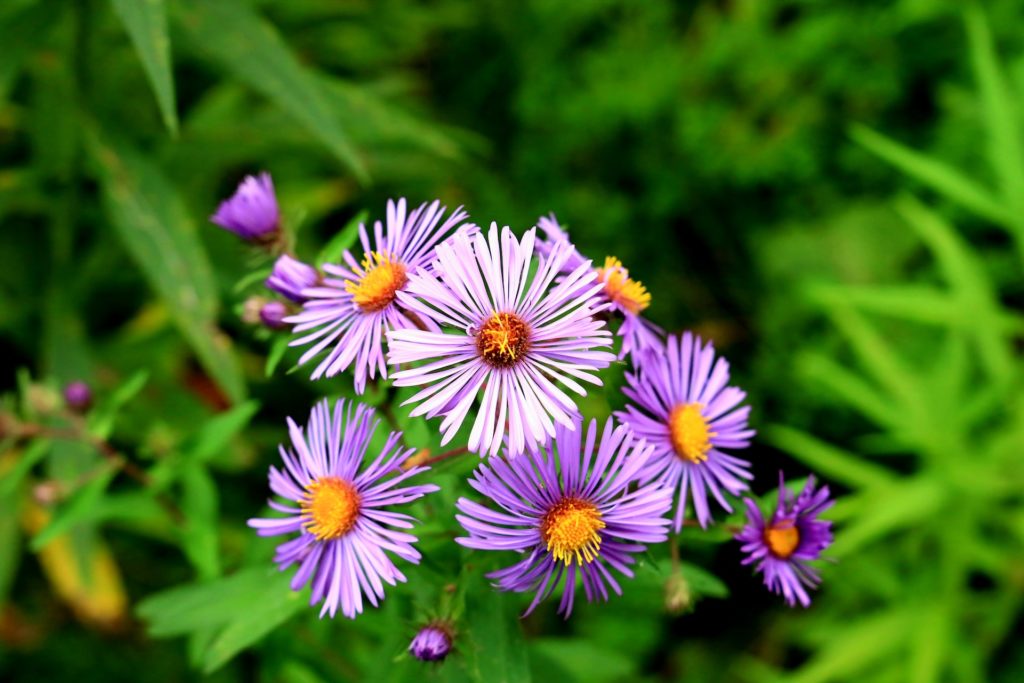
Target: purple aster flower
(290,276)
(251,213)
(568,510)
(272,314)
(432,643)
(350,310)
(626,297)
(685,409)
(78,396)
(515,339)
(339,508)
(783,544)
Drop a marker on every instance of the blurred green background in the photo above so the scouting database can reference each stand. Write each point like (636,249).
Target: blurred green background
(832,191)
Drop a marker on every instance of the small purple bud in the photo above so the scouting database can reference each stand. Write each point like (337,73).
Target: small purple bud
(273,313)
(290,277)
(78,396)
(432,643)
(252,212)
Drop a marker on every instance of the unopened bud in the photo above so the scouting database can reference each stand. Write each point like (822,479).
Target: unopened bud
(78,396)
(678,597)
(432,643)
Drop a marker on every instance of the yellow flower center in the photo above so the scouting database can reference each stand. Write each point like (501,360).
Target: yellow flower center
(331,507)
(690,432)
(782,539)
(380,278)
(630,294)
(569,529)
(503,339)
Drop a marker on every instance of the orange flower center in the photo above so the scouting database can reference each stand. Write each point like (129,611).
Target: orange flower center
(782,539)
(690,432)
(503,339)
(331,507)
(380,278)
(569,529)
(630,294)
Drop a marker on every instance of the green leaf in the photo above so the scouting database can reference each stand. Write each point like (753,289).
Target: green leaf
(935,174)
(703,582)
(252,50)
(827,460)
(577,659)
(276,353)
(146,23)
(199,534)
(225,615)
(26,460)
(1005,152)
(22,29)
(857,646)
(262,617)
(344,239)
(215,434)
(78,508)
(499,651)
(102,418)
(893,508)
(210,604)
(156,229)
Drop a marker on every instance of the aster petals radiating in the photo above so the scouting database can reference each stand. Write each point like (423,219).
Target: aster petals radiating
(345,316)
(783,544)
(624,296)
(337,500)
(567,508)
(518,341)
(681,404)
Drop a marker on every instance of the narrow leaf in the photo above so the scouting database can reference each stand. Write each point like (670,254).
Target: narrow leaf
(827,460)
(158,233)
(77,509)
(937,175)
(253,51)
(146,23)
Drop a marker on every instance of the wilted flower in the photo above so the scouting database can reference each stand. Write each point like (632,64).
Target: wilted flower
(290,276)
(514,340)
(627,297)
(350,309)
(78,396)
(569,510)
(783,544)
(338,508)
(432,643)
(686,411)
(252,212)
(272,314)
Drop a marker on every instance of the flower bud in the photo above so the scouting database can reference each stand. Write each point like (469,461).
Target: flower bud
(432,643)
(678,597)
(78,396)
(290,277)
(252,212)
(273,313)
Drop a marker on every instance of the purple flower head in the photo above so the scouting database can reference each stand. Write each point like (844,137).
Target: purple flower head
(78,396)
(515,339)
(272,314)
(251,213)
(338,500)
(623,295)
(684,408)
(290,276)
(568,510)
(348,313)
(783,544)
(432,643)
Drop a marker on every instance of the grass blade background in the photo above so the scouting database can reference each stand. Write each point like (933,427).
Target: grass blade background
(146,23)
(253,51)
(155,228)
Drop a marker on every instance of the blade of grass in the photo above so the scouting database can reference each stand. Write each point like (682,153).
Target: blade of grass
(146,23)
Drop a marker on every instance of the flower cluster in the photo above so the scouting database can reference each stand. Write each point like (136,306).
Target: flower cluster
(498,337)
